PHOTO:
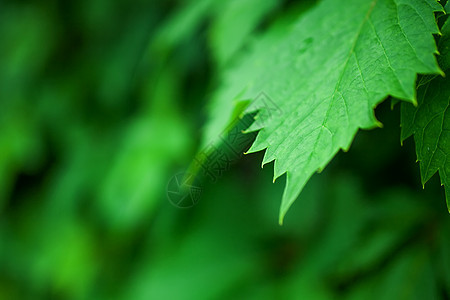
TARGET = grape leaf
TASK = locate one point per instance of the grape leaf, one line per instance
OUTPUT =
(429, 122)
(326, 75)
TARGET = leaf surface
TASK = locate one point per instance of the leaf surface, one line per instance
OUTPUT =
(325, 76)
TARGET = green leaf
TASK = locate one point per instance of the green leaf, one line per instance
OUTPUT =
(444, 47)
(326, 75)
(182, 24)
(234, 22)
(430, 121)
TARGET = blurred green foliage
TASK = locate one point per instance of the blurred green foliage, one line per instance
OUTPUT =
(101, 102)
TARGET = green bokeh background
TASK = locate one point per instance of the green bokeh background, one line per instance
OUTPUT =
(102, 102)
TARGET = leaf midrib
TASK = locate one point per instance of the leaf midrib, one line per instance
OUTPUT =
(338, 83)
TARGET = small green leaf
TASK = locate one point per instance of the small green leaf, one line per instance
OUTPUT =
(429, 122)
